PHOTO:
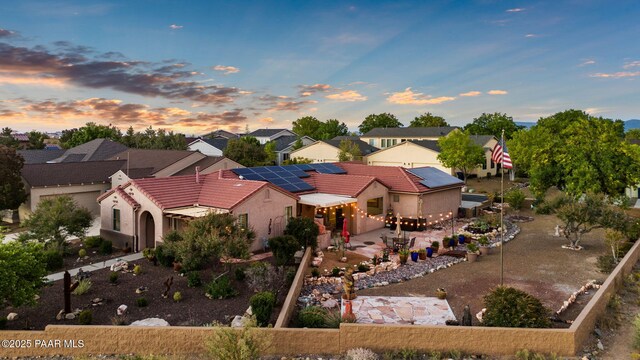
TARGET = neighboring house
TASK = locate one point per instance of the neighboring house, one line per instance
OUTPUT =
(83, 181)
(94, 150)
(420, 153)
(285, 144)
(221, 134)
(327, 151)
(140, 212)
(266, 135)
(209, 147)
(146, 163)
(23, 139)
(387, 137)
(40, 156)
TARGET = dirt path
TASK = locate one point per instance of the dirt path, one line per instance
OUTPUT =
(533, 262)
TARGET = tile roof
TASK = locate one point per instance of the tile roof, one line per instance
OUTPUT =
(181, 191)
(40, 156)
(409, 132)
(151, 158)
(70, 172)
(394, 177)
(364, 147)
(204, 163)
(339, 184)
(94, 150)
(126, 197)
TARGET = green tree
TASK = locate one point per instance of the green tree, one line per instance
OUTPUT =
(246, 151)
(577, 153)
(384, 120)
(12, 192)
(303, 229)
(458, 151)
(21, 272)
(284, 248)
(633, 134)
(129, 138)
(298, 144)
(307, 126)
(297, 160)
(349, 151)
(270, 151)
(7, 139)
(91, 131)
(36, 140)
(330, 129)
(66, 136)
(55, 220)
(493, 124)
(207, 237)
(428, 120)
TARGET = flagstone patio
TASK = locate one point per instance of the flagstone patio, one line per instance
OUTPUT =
(400, 310)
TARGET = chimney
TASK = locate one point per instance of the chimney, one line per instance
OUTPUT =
(197, 174)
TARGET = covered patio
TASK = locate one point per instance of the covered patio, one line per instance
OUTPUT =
(330, 210)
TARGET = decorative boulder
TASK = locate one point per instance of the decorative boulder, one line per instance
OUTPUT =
(122, 309)
(12, 316)
(150, 322)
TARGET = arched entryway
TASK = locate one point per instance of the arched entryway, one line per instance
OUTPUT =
(147, 230)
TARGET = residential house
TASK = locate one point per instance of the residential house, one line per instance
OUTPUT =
(83, 181)
(94, 150)
(221, 134)
(327, 151)
(209, 147)
(420, 153)
(285, 145)
(139, 213)
(387, 137)
(266, 135)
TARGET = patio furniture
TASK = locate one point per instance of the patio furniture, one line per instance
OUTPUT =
(412, 242)
(400, 243)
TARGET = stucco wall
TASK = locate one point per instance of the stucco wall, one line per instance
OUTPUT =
(318, 152)
(205, 148)
(84, 195)
(261, 208)
(407, 155)
(441, 202)
(377, 140)
(119, 178)
(407, 206)
(364, 223)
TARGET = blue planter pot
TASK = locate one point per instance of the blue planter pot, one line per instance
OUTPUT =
(461, 239)
(414, 257)
(452, 243)
(429, 252)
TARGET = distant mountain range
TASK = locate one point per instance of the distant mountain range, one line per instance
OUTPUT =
(628, 125)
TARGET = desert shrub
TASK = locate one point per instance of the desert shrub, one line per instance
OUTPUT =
(120, 320)
(221, 288)
(606, 263)
(83, 287)
(362, 267)
(92, 241)
(106, 247)
(113, 277)
(239, 274)
(165, 256)
(142, 302)
(305, 230)
(361, 354)
(315, 272)
(229, 344)
(82, 253)
(290, 275)
(193, 279)
(515, 198)
(544, 207)
(85, 317)
(611, 317)
(311, 317)
(636, 332)
(262, 305)
(177, 296)
(284, 248)
(525, 354)
(509, 307)
(335, 271)
(137, 270)
(262, 276)
(53, 259)
(404, 354)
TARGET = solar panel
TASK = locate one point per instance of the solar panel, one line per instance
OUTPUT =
(303, 167)
(286, 177)
(432, 177)
(243, 171)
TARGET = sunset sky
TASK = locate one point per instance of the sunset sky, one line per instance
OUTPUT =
(197, 66)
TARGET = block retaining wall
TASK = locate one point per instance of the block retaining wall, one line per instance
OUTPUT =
(290, 341)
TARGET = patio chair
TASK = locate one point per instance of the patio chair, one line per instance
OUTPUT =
(412, 242)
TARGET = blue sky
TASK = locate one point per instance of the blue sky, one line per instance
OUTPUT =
(196, 66)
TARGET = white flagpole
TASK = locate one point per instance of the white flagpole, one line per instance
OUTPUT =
(502, 211)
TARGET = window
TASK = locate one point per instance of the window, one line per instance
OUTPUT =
(374, 206)
(288, 213)
(372, 142)
(116, 219)
(243, 221)
(493, 165)
(394, 141)
(383, 143)
(484, 165)
(396, 198)
(286, 156)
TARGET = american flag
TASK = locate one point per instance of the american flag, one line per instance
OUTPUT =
(500, 155)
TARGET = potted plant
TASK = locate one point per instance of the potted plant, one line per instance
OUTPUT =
(484, 245)
(429, 251)
(441, 293)
(461, 239)
(404, 256)
(414, 255)
(472, 252)
(450, 241)
(435, 245)
(422, 254)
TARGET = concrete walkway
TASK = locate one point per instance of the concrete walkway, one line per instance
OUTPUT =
(94, 230)
(96, 266)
